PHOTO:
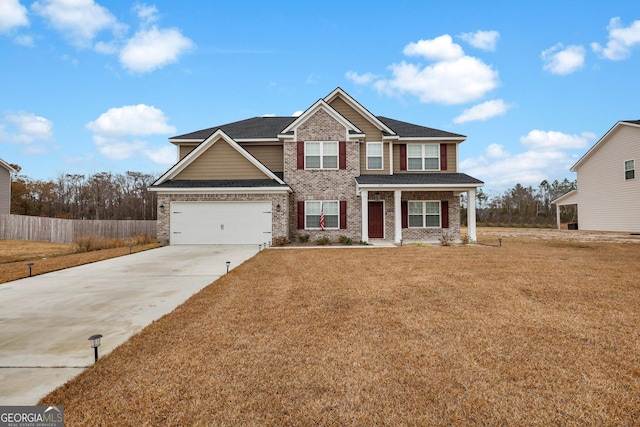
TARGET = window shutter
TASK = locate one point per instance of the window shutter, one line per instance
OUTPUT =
(342, 154)
(343, 214)
(300, 215)
(405, 214)
(444, 213)
(403, 157)
(443, 157)
(300, 153)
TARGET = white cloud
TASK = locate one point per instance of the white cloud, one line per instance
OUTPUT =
(297, 113)
(25, 41)
(454, 78)
(548, 154)
(154, 48)
(163, 156)
(116, 132)
(539, 140)
(485, 40)
(79, 20)
(439, 49)
(484, 111)
(360, 79)
(621, 40)
(12, 15)
(563, 61)
(147, 14)
(26, 128)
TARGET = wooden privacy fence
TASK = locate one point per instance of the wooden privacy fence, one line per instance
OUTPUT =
(21, 227)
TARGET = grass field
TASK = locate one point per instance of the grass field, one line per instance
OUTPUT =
(47, 257)
(531, 333)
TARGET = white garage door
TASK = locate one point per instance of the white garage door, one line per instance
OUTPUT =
(220, 223)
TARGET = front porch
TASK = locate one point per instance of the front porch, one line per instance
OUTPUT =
(423, 208)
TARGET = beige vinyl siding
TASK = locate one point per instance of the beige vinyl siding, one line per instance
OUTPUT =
(451, 158)
(372, 133)
(606, 201)
(220, 162)
(183, 150)
(272, 156)
(5, 191)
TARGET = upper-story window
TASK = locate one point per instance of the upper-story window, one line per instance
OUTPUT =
(629, 169)
(321, 154)
(423, 157)
(374, 155)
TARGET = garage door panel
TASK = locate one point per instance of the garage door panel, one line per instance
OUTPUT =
(220, 222)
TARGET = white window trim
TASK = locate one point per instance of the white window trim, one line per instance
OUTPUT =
(627, 170)
(423, 157)
(322, 155)
(306, 214)
(424, 213)
(381, 156)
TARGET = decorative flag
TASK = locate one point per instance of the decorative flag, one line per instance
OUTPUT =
(322, 216)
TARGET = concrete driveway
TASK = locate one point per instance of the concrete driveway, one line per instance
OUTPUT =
(46, 320)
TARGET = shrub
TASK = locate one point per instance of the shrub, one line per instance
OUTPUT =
(303, 238)
(323, 241)
(446, 239)
(90, 243)
(280, 241)
(344, 240)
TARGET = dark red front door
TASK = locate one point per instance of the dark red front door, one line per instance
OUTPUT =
(376, 220)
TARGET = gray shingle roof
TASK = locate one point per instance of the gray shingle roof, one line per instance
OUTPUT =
(419, 179)
(271, 127)
(404, 129)
(240, 183)
(633, 122)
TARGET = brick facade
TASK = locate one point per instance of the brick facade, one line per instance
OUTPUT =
(323, 184)
(280, 216)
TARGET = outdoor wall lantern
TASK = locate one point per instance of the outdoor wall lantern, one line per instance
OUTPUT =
(161, 207)
(95, 343)
(278, 207)
(228, 264)
(30, 265)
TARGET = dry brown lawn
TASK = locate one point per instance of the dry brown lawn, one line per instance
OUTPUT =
(532, 333)
(47, 257)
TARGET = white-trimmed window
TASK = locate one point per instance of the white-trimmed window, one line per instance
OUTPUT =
(629, 169)
(315, 208)
(321, 155)
(424, 214)
(374, 155)
(423, 157)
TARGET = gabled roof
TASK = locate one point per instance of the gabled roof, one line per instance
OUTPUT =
(603, 140)
(321, 104)
(218, 135)
(409, 130)
(7, 166)
(338, 92)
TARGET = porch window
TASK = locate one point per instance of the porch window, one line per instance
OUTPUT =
(321, 154)
(423, 157)
(374, 155)
(424, 214)
(629, 169)
(316, 208)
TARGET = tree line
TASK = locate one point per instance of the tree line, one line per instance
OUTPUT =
(524, 205)
(126, 196)
(99, 196)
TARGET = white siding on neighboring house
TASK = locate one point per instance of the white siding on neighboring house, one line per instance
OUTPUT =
(606, 201)
(5, 188)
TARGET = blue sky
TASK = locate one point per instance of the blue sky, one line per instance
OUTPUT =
(98, 86)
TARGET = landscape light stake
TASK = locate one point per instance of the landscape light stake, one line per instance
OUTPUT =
(130, 248)
(228, 264)
(30, 265)
(500, 241)
(95, 343)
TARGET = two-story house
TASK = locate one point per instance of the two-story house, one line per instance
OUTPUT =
(335, 170)
(5, 186)
(608, 194)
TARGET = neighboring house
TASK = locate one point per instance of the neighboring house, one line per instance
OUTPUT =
(265, 178)
(5, 187)
(608, 194)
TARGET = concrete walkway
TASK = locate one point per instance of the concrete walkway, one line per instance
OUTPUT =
(46, 320)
